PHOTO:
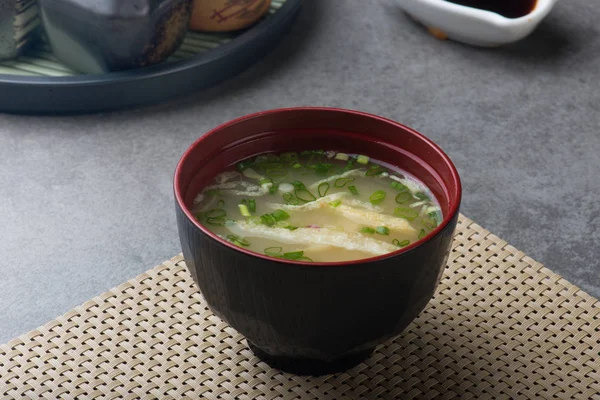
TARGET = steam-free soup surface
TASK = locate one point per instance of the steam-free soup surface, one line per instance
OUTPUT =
(321, 206)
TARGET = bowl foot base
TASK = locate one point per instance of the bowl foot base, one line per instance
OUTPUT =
(307, 366)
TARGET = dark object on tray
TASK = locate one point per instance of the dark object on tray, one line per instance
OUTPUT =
(112, 35)
(39, 84)
(315, 318)
(19, 22)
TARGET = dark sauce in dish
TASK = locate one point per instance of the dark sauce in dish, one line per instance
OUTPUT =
(506, 8)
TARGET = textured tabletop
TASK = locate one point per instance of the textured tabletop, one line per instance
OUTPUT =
(86, 201)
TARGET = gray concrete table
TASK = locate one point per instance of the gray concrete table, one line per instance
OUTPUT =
(86, 201)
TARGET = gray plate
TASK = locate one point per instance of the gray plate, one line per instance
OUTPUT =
(38, 83)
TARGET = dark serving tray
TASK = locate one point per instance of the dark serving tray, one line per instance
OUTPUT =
(38, 83)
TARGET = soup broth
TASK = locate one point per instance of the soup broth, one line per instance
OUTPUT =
(317, 206)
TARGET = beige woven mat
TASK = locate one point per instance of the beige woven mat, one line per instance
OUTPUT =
(500, 326)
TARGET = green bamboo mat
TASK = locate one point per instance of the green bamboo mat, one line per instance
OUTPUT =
(38, 60)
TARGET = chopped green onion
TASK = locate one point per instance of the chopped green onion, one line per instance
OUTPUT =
(323, 189)
(353, 190)
(319, 152)
(280, 215)
(283, 224)
(374, 170)
(349, 164)
(244, 210)
(255, 220)
(398, 186)
(298, 185)
(216, 213)
(291, 228)
(304, 259)
(431, 224)
(341, 156)
(406, 213)
(377, 197)
(403, 197)
(218, 221)
(321, 169)
(304, 195)
(341, 182)
(297, 165)
(239, 241)
(403, 243)
(366, 229)
(242, 165)
(268, 219)
(422, 234)
(421, 196)
(273, 251)
(252, 205)
(221, 204)
(335, 203)
(362, 159)
(293, 255)
(265, 181)
(290, 199)
(382, 230)
(274, 188)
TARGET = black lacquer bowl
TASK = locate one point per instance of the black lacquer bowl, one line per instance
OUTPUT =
(315, 318)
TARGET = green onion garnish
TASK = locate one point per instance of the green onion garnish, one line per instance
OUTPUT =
(242, 165)
(382, 230)
(319, 152)
(304, 195)
(293, 255)
(264, 181)
(377, 197)
(216, 213)
(283, 224)
(298, 185)
(255, 220)
(274, 188)
(398, 186)
(239, 241)
(323, 189)
(217, 221)
(273, 251)
(421, 196)
(403, 197)
(304, 259)
(406, 213)
(268, 219)
(362, 159)
(430, 223)
(374, 170)
(353, 190)
(297, 165)
(244, 210)
(366, 229)
(341, 182)
(422, 234)
(349, 164)
(280, 215)
(335, 203)
(252, 205)
(341, 156)
(403, 243)
(321, 169)
(290, 199)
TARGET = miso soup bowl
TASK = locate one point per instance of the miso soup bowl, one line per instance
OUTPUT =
(315, 318)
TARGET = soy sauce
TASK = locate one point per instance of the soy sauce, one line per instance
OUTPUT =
(506, 8)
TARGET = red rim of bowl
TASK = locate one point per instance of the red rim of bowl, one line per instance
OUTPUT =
(453, 208)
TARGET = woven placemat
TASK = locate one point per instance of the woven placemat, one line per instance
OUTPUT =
(500, 326)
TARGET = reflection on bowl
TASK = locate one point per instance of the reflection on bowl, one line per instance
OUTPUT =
(315, 318)
(475, 26)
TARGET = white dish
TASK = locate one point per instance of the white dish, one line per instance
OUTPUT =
(472, 25)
